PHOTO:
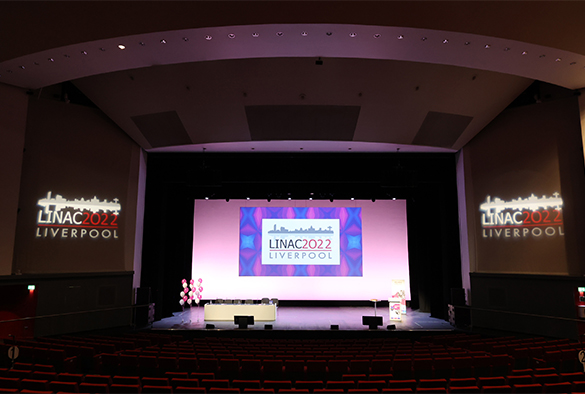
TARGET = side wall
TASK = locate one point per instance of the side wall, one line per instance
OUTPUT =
(531, 262)
(64, 163)
(13, 107)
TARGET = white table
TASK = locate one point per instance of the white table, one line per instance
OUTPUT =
(226, 312)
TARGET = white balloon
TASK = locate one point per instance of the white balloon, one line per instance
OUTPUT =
(190, 293)
(189, 301)
(182, 302)
(191, 285)
(182, 294)
(197, 300)
(184, 284)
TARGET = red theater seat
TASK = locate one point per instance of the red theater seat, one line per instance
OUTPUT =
(124, 388)
(277, 384)
(66, 387)
(527, 388)
(340, 384)
(468, 389)
(564, 387)
(157, 389)
(309, 384)
(94, 388)
(31, 384)
(496, 389)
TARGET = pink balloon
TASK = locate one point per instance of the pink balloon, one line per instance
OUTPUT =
(192, 281)
(200, 289)
(184, 281)
(199, 296)
(200, 280)
(185, 298)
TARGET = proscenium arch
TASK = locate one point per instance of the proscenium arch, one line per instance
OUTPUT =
(296, 40)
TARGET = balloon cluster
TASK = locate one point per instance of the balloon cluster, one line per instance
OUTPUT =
(191, 291)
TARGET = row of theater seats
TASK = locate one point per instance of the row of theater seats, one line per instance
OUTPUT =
(77, 383)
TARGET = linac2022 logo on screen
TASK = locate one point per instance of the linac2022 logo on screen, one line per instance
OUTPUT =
(61, 218)
(300, 242)
(531, 217)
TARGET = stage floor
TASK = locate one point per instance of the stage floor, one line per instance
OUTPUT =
(310, 318)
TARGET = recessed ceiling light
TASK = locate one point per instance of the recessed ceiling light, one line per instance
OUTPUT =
(558, 59)
(66, 56)
(423, 39)
(163, 41)
(506, 49)
(311, 198)
(21, 67)
(36, 63)
(289, 198)
(393, 198)
(208, 37)
(51, 59)
(122, 47)
(255, 35)
(103, 49)
(377, 35)
(141, 43)
(352, 35)
(400, 37)
(207, 198)
(572, 63)
(352, 199)
(466, 43)
(247, 198)
(329, 33)
(524, 53)
(185, 39)
(487, 46)
(83, 52)
(304, 33)
(445, 41)
(541, 56)
(280, 34)
(231, 36)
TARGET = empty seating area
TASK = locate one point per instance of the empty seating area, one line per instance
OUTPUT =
(152, 363)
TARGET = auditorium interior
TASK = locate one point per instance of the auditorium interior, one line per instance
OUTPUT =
(143, 141)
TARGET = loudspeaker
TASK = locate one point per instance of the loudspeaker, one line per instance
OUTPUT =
(372, 321)
(391, 327)
(209, 326)
(335, 327)
(268, 326)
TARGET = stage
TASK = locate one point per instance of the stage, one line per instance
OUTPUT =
(309, 319)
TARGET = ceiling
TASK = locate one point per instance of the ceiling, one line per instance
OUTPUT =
(288, 76)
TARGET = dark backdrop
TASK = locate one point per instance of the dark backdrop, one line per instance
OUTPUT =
(426, 181)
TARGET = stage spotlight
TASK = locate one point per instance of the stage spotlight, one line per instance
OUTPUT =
(331, 200)
(227, 200)
(373, 200)
(335, 327)
(268, 326)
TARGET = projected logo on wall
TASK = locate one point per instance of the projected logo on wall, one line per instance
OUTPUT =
(535, 217)
(78, 218)
(300, 242)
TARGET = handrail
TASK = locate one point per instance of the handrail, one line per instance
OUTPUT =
(76, 313)
(519, 313)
